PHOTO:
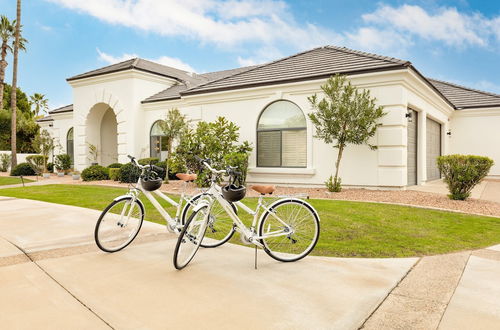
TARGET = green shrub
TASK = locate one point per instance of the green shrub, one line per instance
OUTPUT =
(462, 172)
(162, 164)
(37, 163)
(22, 169)
(5, 162)
(94, 173)
(129, 173)
(115, 165)
(240, 161)
(50, 167)
(333, 184)
(147, 161)
(63, 162)
(114, 173)
(176, 165)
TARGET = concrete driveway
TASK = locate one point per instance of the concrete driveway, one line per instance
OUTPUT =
(53, 276)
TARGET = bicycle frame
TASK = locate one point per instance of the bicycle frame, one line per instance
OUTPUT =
(215, 195)
(172, 223)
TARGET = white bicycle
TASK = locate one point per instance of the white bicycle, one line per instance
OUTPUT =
(287, 229)
(121, 221)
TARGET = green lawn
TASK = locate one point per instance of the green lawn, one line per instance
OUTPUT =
(6, 180)
(348, 229)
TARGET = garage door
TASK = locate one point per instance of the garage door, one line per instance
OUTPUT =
(412, 148)
(433, 149)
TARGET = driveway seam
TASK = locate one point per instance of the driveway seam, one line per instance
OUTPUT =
(454, 290)
(389, 293)
(62, 286)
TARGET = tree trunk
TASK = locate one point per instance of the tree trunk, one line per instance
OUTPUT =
(13, 98)
(337, 163)
(3, 65)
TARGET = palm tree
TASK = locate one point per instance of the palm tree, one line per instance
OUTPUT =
(13, 97)
(40, 103)
(6, 34)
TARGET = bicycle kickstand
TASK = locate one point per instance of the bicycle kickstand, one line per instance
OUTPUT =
(255, 257)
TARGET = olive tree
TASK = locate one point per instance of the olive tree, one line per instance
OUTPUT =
(345, 115)
(44, 145)
(172, 128)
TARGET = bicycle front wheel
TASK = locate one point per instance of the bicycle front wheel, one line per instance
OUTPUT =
(291, 231)
(118, 224)
(190, 238)
(220, 226)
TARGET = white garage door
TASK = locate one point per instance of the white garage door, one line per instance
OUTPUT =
(433, 149)
(411, 159)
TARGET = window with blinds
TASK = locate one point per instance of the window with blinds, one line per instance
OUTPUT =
(281, 136)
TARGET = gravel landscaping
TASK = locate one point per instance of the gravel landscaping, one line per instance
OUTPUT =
(407, 197)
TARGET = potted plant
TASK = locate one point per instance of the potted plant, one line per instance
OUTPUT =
(75, 175)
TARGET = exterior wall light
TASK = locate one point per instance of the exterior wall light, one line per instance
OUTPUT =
(409, 116)
(448, 133)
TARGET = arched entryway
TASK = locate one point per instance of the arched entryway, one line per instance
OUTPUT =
(101, 132)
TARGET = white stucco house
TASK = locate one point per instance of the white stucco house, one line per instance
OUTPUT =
(116, 108)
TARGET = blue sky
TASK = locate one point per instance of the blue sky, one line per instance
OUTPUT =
(457, 41)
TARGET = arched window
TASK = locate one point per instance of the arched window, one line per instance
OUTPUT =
(158, 142)
(281, 136)
(70, 145)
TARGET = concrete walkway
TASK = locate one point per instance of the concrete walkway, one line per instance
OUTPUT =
(53, 276)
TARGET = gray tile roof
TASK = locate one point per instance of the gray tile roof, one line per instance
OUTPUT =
(463, 97)
(174, 92)
(66, 108)
(141, 65)
(312, 64)
(46, 118)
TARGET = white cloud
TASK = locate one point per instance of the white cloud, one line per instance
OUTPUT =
(446, 25)
(165, 60)
(373, 39)
(224, 23)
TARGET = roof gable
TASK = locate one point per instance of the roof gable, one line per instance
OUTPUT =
(463, 97)
(315, 63)
(141, 65)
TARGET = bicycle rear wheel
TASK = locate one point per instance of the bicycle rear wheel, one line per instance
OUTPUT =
(302, 225)
(118, 224)
(190, 238)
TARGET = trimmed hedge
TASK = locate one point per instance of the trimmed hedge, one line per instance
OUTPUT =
(129, 173)
(463, 172)
(115, 165)
(94, 173)
(22, 169)
(114, 173)
(50, 167)
(147, 161)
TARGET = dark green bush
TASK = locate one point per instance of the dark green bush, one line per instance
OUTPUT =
(163, 165)
(50, 167)
(147, 161)
(22, 169)
(462, 172)
(114, 173)
(63, 162)
(129, 173)
(115, 165)
(94, 173)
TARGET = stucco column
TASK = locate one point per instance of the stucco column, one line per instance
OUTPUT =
(422, 148)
